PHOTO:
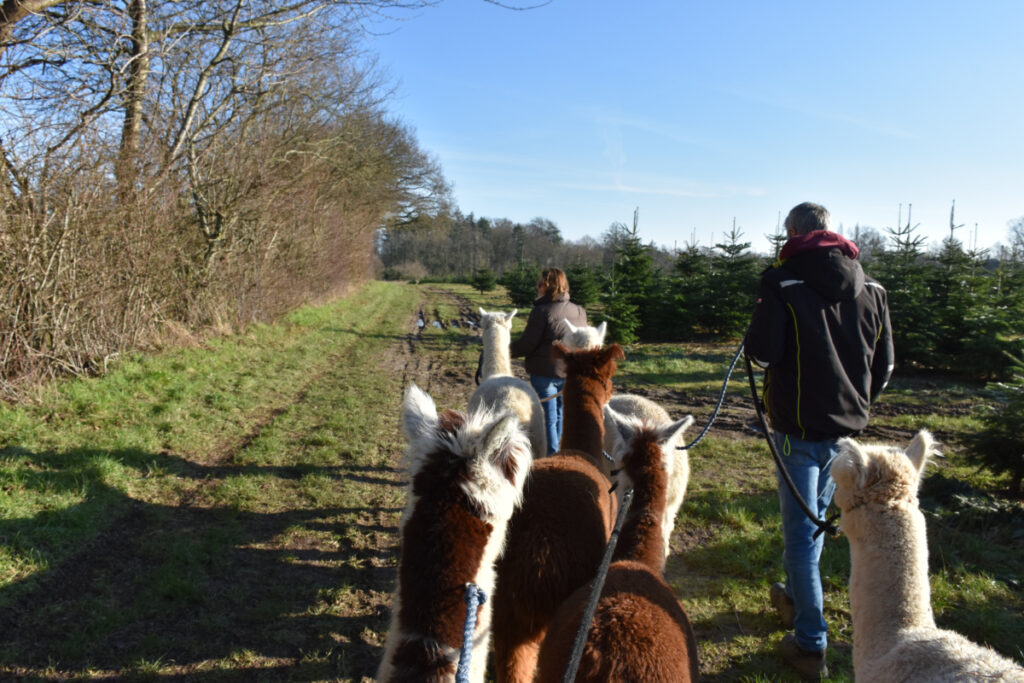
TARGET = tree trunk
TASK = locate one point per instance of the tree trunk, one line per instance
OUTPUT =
(135, 92)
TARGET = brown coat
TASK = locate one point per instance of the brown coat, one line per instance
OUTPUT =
(545, 326)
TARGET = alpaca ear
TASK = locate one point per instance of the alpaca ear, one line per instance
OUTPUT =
(610, 353)
(921, 447)
(849, 469)
(622, 428)
(572, 328)
(508, 318)
(482, 312)
(669, 433)
(419, 415)
(507, 447)
(602, 329)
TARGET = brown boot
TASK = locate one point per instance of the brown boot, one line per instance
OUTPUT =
(810, 665)
(783, 604)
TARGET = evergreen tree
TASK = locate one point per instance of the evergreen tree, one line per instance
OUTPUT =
(632, 276)
(584, 284)
(521, 283)
(1001, 446)
(484, 280)
(902, 272)
(689, 291)
(733, 286)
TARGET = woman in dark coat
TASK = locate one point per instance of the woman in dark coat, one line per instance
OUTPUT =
(546, 325)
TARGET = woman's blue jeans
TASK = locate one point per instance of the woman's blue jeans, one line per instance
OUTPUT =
(809, 464)
(545, 387)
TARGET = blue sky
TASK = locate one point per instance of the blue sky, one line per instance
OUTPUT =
(700, 113)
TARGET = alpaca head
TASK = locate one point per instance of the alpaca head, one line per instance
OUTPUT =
(583, 338)
(488, 453)
(488, 320)
(596, 367)
(879, 474)
(638, 443)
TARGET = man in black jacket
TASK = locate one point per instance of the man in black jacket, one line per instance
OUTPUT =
(821, 330)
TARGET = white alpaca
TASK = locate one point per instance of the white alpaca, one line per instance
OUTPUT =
(583, 338)
(466, 478)
(894, 633)
(497, 335)
(499, 390)
(677, 461)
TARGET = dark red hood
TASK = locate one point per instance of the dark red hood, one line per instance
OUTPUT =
(818, 239)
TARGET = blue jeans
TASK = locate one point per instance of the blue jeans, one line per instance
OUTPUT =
(809, 465)
(545, 387)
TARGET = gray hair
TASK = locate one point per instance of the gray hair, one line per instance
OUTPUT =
(807, 217)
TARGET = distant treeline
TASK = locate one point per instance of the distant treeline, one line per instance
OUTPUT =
(952, 309)
(172, 166)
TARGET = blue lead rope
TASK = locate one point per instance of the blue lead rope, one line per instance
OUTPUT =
(475, 597)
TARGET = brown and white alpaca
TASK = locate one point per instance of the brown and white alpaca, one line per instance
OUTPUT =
(677, 459)
(500, 391)
(894, 633)
(466, 478)
(496, 331)
(640, 632)
(557, 537)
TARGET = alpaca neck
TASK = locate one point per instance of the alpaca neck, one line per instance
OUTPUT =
(643, 538)
(889, 589)
(497, 360)
(583, 420)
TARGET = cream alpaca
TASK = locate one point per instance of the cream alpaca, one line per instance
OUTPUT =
(466, 478)
(583, 338)
(894, 633)
(677, 461)
(497, 335)
(500, 390)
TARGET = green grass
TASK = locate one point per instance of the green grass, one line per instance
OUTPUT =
(228, 512)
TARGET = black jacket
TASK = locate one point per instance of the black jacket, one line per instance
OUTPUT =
(822, 330)
(546, 325)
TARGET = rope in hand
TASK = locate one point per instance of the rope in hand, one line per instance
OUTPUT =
(595, 592)
(475, 597)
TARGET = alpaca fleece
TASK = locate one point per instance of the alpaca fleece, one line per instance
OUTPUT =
(467, 475)
(894, 633)
(557, 537)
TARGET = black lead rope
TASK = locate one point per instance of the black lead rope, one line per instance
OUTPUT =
(595, 592)
(721, 399)
(824, 526)
(479, 368)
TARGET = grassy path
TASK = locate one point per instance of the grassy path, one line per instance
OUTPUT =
(229, 512)
(207, 511)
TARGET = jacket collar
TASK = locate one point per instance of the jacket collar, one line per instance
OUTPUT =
(818, 239)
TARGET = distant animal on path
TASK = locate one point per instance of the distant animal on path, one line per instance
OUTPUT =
(466, 478)
(894, 633)
(640, 632)
(556, 539)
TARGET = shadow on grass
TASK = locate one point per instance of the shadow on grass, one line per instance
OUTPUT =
(131, 582)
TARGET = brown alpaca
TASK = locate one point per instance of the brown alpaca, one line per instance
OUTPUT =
(467, 475)
(557, 537)
(639, 631)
